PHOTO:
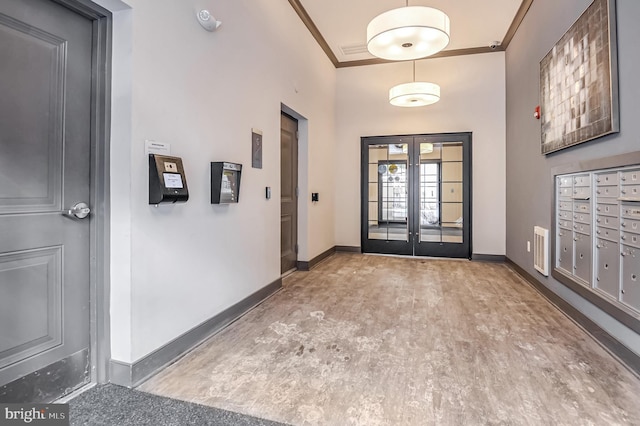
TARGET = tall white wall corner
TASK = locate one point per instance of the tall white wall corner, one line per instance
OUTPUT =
(541, 250)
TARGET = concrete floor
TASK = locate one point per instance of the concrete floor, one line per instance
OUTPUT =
(373, 340)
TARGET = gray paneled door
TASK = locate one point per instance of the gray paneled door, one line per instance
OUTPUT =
(45, 123)
(288, 193)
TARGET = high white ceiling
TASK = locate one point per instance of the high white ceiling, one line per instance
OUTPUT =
(474, 23)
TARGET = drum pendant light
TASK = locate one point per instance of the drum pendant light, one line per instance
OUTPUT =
(410, 32)
(414, 94)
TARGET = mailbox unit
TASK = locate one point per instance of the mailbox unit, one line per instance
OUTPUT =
(225, 182)
(597, 226)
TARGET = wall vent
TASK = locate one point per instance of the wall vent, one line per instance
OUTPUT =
(541, 250)
(354, 49)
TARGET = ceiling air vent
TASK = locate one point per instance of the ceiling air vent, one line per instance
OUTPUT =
(354, 49)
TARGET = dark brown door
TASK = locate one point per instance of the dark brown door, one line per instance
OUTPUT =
(45, 136)
(288, 193)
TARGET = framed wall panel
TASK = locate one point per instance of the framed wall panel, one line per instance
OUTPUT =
(579, 81)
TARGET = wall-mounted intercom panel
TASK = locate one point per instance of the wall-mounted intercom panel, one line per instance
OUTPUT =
(167, 181)
(225, 182)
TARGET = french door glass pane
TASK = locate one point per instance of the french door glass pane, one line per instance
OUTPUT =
(388, 192)
(452, 171)
(452, 151)
(441, 192)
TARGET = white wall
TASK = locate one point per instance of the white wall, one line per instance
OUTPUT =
(473, 99)
(202, 93)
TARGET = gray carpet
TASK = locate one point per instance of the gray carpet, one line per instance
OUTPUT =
(111, 405)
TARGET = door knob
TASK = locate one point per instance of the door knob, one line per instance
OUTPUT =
(79, 210)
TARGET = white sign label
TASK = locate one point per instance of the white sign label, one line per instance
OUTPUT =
(153, 147)
(172, 180)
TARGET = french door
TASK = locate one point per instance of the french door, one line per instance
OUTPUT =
(416, 195)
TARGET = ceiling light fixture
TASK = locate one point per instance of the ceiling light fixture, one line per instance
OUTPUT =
(414, 94)
(410, 32)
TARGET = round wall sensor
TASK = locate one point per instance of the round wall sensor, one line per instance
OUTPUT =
(207, 20)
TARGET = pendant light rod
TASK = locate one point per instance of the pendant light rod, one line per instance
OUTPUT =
(414, 68)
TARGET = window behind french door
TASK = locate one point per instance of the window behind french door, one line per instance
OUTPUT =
(416, 195)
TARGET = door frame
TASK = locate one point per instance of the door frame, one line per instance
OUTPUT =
(99, 232)
(410, 247)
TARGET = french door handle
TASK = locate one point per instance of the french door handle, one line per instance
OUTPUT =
(79, 210)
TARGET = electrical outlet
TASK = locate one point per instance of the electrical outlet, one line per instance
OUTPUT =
(528, 246)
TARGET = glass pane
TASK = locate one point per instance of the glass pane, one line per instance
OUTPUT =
(376, 232)
(452, 152)
(429, 169)
(373, 191)
(395, 193)
(452, 214)
(388, 192)
(429, 192)
(451, 234)
(373, 212)
(397, 233)
(452, 192)
(452, 172)
(373, 172)
(430, 202)
(377, 153)
(388, 231)
(430, 151)
(431, 235)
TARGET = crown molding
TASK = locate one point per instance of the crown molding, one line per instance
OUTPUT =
(442, 54)
(313, 29)
(517, 20)
(311, 26)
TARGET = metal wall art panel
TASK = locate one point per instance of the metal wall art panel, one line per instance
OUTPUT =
(579, 81)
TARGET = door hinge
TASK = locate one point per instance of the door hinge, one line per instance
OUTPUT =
(296, 249)
(297, 191)
(297, 135)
